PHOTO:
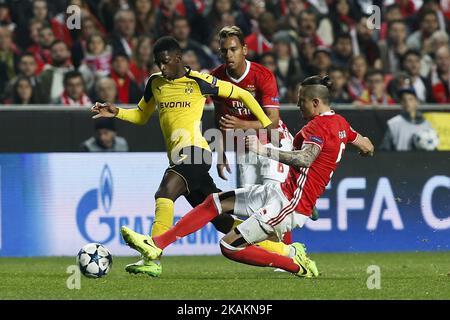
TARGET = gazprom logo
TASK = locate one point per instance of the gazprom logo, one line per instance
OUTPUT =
(89, 204)
(106, 188)
(98, 219)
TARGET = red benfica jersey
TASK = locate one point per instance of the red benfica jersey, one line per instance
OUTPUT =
(331, 132)
(261, 83)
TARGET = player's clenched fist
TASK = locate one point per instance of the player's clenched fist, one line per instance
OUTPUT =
(252, 143)
(106, 110)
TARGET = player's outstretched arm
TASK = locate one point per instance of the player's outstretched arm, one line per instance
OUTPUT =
(222, 164)
(138, 115)
(364, 145)
(297, 158)
(105, 110)
(222, 161)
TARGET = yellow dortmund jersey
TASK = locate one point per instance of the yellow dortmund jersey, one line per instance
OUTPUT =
(180, 103)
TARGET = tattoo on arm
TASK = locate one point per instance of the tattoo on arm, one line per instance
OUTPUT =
(297, 158)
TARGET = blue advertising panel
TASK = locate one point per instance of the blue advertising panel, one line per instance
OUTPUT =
(391, 202)
(52, 204)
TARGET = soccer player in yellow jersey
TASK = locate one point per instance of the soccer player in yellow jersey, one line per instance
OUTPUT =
(179, 94)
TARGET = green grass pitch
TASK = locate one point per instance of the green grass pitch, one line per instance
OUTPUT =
(343, 276)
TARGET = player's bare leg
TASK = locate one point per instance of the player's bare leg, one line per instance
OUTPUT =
(171, 188)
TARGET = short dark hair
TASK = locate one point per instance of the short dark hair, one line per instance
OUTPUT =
(46, 26)
(407, 90)
(342, 35)
(71, 75)
(425, 12)
(412, 52)
(266, 54)
(391, 23)
(308, 11)
(322, 49)
(105, 123)
(166, 43)
(409, 52)
(336, 68)
(317, 87)
(374, 72)
(120, 54)
(58, 41)
(180, 18)
(392, 7)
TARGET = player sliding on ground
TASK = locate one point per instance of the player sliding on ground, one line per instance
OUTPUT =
(273, 209)
(180, 95)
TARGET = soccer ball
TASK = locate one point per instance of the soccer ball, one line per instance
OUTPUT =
(426, 139)
(94, 260)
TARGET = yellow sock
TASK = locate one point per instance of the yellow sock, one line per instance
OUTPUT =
(236, 222)
(163, 216)
(275, 247)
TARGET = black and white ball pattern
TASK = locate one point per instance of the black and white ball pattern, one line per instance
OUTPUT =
(426, 139)
(94, 260)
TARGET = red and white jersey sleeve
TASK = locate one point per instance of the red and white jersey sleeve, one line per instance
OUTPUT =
(351, 134)
(313, 134)
(269, 91)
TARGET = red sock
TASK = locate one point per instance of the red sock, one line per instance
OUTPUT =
(287, 238)
(257, 256)
(191, 222)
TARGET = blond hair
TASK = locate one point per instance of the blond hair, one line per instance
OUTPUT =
(230, 31)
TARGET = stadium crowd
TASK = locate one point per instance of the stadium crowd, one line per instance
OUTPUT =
(109, 57)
